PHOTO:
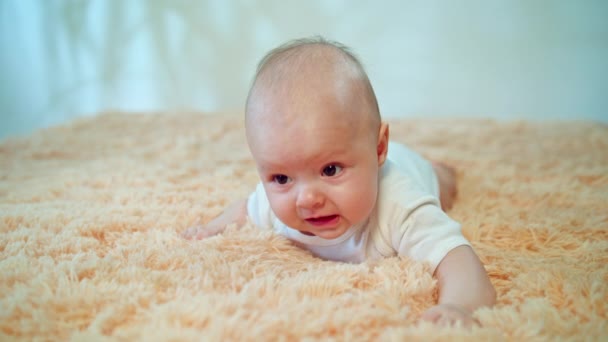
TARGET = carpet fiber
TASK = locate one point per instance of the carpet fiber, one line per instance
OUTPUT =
(90, 214)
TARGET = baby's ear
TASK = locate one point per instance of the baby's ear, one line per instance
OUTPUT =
(382, 146)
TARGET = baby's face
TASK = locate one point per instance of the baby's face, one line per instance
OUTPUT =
(319, 170)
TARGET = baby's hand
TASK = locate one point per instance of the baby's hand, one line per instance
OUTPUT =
(235, 213)
(202, 231)
(448, 315)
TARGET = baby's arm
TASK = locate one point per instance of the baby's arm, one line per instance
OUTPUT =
(235, 213)
(464, 287)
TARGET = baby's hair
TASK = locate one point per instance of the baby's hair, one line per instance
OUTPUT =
(291, 51)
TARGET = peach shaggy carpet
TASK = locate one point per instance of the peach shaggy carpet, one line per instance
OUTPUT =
(89, 248)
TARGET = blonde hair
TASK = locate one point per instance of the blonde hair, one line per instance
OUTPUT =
(292, 52)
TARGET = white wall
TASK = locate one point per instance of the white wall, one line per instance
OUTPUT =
(501, 59)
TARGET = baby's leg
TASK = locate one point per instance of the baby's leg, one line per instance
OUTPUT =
(447, 184)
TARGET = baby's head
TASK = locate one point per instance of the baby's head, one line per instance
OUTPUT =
(314, 130)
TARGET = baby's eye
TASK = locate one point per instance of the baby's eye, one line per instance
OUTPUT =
(281, 179)
(331, 170)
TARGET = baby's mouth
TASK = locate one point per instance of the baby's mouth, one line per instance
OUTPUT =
(323, 220)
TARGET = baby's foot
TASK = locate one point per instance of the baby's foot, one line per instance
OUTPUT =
(447, 184)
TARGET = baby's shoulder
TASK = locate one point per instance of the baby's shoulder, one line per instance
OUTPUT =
(398, 186)
(399, 195)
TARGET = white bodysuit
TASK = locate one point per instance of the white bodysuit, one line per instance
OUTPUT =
(407, 219)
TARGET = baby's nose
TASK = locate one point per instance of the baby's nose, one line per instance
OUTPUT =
(310, 198)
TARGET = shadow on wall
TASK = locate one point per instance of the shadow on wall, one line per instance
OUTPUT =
(78, 57)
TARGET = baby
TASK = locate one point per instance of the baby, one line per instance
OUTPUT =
(333, 183)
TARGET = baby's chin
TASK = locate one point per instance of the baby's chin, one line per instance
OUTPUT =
(330, 231)
(327, 233)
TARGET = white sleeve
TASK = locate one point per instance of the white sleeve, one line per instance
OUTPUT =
(426, 233)
(258, 207)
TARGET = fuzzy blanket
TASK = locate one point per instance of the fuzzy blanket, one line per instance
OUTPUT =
(90, 214)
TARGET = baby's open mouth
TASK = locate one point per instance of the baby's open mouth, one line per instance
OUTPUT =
(322, 220)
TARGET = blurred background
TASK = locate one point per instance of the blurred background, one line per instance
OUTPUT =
(530, 60)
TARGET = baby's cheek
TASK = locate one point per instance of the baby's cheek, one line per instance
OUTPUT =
(360, 201)
(282, 207)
